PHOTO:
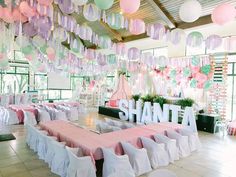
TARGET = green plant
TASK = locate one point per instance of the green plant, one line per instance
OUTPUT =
(160, 100)
(136, 97)
(148, 98)
(187, 102)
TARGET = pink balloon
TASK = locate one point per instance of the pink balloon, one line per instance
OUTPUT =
(137, 26)
(129, 6)
(7, 15)
(45, 2)
(26, 10)
(1, 56)
(50, 50)
(29, 57)
(133, 53)
(223, 14)
(51, 56)
(201, 78)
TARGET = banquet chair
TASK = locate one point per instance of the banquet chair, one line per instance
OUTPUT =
(10, 117)
(60, 115)
(162, 173)
(29, 118)
(222, 125)
(60, 160)
(193, 139)
(49, 150)
(181, 141)
(103, 127)
(5, 100)
(170, 146)
(43, 115)
(157, 154)
(42, 144)
(138, 158)
(79, 165)
(33, 137)
(18, 99)
(115, 165)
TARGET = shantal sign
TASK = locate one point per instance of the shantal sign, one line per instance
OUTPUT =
(149, 113)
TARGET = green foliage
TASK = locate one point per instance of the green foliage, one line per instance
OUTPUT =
(121, 73)
(136, 97)
(160, 100)
(148, 98)
(187, 102)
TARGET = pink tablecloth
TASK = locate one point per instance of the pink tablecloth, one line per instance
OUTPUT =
(19, 111)
(91, 143)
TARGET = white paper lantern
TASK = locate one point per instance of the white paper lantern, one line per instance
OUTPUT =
(190, 11)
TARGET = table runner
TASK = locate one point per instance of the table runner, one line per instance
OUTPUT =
(91, 143)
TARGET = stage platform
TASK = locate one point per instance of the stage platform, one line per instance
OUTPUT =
(109, 111)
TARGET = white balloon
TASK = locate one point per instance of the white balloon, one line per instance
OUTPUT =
(190, 11)
(79, 2)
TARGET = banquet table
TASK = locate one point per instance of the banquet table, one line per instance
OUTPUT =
(19, 111)
(91, 143)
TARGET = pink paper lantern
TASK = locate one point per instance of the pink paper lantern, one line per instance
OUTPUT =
(7, 15)
(223, 14)
(156, 31)
(213, 41)
(130, 6)
(90, 54)
(45, 2)
(137, 26)
(119, 48)
(26, 10)
(133, 53)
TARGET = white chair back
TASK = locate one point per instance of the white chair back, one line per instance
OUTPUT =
(5, 100)
(79, 165)
(114, 165)
(138, 159)
(29, 118)
(18, 99)
(43, 115)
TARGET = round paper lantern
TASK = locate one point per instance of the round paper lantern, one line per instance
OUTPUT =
(120, 48)
(91, 12)
(156, 31)
(104, 42)
(7, 15)
(77, 46)
(38, 41)
(190, 11)
(115, 21)
(85, 32)
(79, 2)
(176, 36)
(29, 30)
(223, 14)
(17, 16)
(45, 2)
(213, 42)
(60, 34)
(90, 54)
(26, 10)
(104, 4)
(133, 53)
(101, 59)
(111, 59)
(130, 6)
(137, 26)
(194, 39)
(66, 6)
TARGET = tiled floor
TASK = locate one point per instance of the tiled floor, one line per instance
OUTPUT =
(217, 158)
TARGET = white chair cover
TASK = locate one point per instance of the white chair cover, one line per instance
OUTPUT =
(18, 99)
(114, 165)
(43, 115)
(60, 115)
(60, 159)
(138, 159)
(181, 141)
(42, 144)
(157, 154)
(5, 100)
(104, 127)
(79, 166)
(33, 137)
(29, 118)
(74, 114)
(25, 99)
(10, 117)
(50, 150)
(162, 173)
(193, 139)
(170, 146)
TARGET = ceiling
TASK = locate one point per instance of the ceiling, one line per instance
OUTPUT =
(151, 11)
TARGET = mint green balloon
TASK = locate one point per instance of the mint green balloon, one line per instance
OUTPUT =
(43, 49)
(4, 63)
(187, 72)
(111, 59)
(193, 83)
(114, 20)
(104, 4)
(207, 85)
(206, 69)
(27, 50)
(173, 73)
(195, 61)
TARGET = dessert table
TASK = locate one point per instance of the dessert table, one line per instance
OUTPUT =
(91, 143)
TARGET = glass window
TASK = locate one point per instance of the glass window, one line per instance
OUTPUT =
(53, 94)
(19, 56)
(23, 70)
(66, 94)
(230, 68)
(76, 82)
(40, 81)
(11, 70)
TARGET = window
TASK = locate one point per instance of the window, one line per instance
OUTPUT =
(40, 82)
(54, 94)
(195, 50)
(66, 94)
